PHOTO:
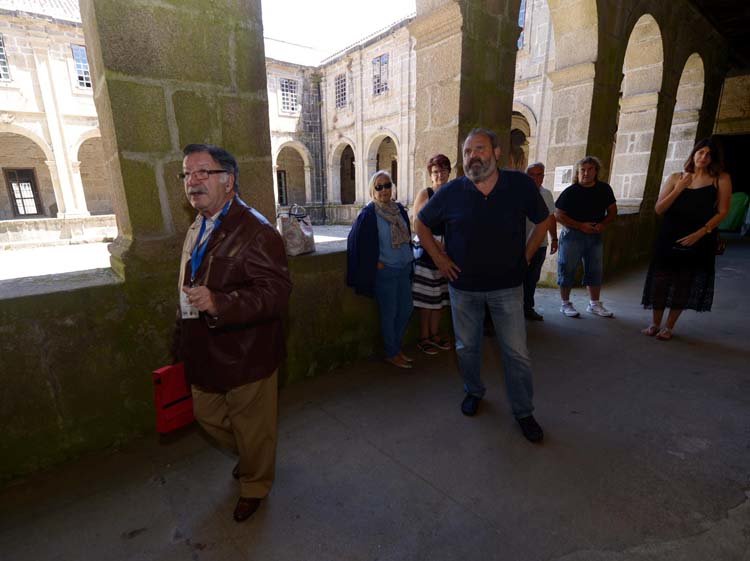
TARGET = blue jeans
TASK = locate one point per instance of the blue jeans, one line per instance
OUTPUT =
(393, 295)
(506, 309)
(574, 247)
(532, 277)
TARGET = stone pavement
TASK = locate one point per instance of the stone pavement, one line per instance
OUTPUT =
(646, 457)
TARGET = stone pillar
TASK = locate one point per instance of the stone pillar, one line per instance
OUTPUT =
(334, 184)
(55, 178)
(466, 54)
(276, 187)
(77, 186)
(370, 167)
(155, 92)
(635, 135)
(71, 201)
(572, 91)
(308, 185)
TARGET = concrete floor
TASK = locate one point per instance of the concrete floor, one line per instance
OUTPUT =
(646, 457)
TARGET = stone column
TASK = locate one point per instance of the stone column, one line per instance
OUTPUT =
(77, 186)
(275, 177)
(466, 54)
(155, 92)
(334, 184)
(308, 185)
(70, 199)
(572, 91)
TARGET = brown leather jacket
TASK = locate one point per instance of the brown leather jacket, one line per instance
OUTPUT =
(245, 267)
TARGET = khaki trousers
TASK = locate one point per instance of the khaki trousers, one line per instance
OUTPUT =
(244, 421)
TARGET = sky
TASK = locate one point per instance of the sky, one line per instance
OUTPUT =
(323, 27)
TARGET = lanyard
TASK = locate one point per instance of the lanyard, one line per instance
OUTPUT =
(199, 251)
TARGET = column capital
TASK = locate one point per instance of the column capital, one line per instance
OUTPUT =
(436, 25)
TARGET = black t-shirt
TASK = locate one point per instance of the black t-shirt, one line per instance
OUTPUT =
(486, 236)
(586, 204)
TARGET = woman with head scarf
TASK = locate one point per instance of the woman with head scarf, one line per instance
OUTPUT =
(380, 263)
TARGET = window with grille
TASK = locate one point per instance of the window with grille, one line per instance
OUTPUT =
(23, 192)
(82, 66)
(340, 90)
(281, 182)
(4, 67)
(289, 95)
(521, 23)
(380, 74)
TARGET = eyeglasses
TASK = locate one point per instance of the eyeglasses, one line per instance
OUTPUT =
(199, 174)
(383, 186)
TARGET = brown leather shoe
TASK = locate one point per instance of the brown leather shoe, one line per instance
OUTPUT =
(246, 507)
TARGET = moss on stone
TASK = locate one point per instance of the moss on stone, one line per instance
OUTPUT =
(242, 120)
(142, 195)
(182, 213)
(139, 115)
(196, 115)
(188, 45)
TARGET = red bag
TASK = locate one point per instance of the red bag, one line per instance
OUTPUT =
(172, 398)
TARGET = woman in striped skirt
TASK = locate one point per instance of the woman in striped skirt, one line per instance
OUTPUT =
(430, 288)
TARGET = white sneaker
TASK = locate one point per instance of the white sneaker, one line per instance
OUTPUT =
(569, 310)
(598, 309)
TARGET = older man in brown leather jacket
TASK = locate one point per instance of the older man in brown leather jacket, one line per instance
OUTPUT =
(234, 289)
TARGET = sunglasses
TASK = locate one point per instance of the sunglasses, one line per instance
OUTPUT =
(383, 186)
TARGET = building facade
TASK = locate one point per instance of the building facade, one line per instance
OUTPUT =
(53, 184)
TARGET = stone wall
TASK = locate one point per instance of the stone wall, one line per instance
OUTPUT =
(96, 182)
(734, 111)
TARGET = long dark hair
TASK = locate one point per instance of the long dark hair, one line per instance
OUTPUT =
(717, 157)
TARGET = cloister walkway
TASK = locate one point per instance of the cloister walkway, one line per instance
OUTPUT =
(646, 457)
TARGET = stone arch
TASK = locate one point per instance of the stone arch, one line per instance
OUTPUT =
(523, 116)
(31, 135)
(684, 129)
(94, 173)
(87, 135)
(520, 132)
(383, 146)
(292, 173)
(22, 149)
(643, 69)
(342, 182)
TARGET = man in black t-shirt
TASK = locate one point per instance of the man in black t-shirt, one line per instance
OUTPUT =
(483, 216)
(584, 209)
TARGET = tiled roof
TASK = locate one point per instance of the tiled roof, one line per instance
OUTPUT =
(64, 10)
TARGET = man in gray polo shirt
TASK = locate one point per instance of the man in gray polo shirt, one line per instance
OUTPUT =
(486, 256)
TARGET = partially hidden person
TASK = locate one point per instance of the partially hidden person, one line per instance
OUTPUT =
(536, 172)
(430, 287)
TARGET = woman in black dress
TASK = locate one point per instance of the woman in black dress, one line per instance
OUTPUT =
(693, 203)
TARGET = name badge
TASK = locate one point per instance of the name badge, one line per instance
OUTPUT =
(188, 311)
